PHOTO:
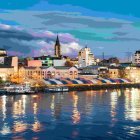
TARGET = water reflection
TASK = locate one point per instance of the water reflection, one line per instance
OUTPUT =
(78, 114)
(132, 104)
(4, 107)
(114, 99)
(75, 113)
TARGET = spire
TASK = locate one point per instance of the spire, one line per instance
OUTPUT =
(57, 47)
(57, 43)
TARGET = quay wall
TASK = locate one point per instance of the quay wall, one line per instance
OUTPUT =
(82, 87)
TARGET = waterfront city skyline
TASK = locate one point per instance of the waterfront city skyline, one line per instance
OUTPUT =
(30, 28)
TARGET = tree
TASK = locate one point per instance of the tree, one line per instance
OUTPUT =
(69, 63)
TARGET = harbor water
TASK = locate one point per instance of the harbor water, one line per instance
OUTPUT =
(87, 115)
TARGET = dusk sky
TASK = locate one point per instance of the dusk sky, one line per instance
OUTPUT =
(29, 27)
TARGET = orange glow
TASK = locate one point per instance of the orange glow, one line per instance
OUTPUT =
(19, 127)
(76, 114)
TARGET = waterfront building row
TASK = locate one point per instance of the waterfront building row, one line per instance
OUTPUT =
(48, 72)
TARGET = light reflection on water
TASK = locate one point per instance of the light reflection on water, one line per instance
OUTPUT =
(76, 115)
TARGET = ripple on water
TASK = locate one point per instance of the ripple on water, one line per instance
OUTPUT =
(114, 114)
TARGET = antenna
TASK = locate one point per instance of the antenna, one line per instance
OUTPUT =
(103, 55)
(129, 56)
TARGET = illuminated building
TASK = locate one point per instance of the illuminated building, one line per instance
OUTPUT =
(137, 57)
(85, 57)
(49, 72)
(133, 73)
(5, 72)
(113, 72)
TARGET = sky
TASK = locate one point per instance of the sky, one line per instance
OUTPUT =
(29, 28)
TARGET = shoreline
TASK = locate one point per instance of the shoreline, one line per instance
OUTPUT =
(82, 87)
(40, 90)
(104, 86)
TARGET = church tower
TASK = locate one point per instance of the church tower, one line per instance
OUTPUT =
(57, 47)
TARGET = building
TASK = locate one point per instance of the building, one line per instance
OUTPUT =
(95, 71)
(59, 62)
(57, 51)
(114, 72)
(46, 60)
(5, 72)
(133, 73)
(3, 52)
(8, 65)
(38, 73)
(137, 57)
(49, 61)
(85, 57)
(113, 61)
(60, 72)
(34, 63)
(11, 61)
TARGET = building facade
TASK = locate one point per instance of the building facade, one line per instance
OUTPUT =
(114, 72)
(137, 57)
(38, 73)
(34, 63)
(85, 57)
(133, 73)
(5, 72)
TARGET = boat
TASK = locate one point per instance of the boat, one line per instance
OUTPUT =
(16, 89)
(56, 89)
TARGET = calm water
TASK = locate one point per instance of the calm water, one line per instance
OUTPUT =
(76, 115)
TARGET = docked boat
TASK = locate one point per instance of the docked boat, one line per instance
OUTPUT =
(16, 89)
(56, 89)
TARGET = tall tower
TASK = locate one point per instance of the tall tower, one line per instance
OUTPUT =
(57, 47)
(85, 57)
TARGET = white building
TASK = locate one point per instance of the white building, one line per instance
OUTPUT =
(85, 57)
(137, 57)
(57, 62)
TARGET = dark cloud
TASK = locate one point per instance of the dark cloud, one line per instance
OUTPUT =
(120, 33)
(10, 45)
(127, 39)
(61, 19)
(21, 35)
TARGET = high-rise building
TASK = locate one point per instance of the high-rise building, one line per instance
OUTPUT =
(57, 48)
(137, 57)
(85, 57)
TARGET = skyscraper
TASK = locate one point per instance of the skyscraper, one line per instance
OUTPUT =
(57, 47)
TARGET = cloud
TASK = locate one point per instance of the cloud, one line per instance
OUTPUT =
(33, 27)
(62, 18)
(70, 49)
(120, 33)
(26, 43)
